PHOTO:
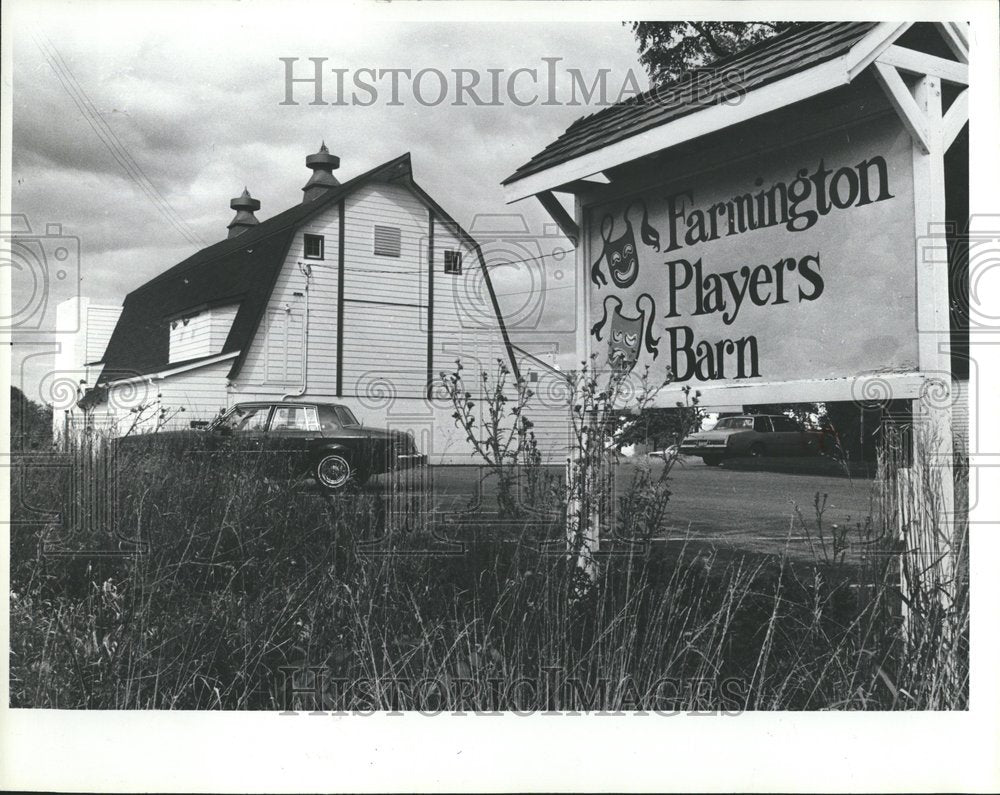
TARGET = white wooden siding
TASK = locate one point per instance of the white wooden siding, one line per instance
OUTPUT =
(203, 334)
(82, 331)
(190, 338)
(101, 322)
(465, 325)
(283, 345)
(260, 367)
(401, 279)
(166, 404)
(549, 409)
(385, 347)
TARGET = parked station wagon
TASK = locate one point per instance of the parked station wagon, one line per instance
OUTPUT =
(756, 436)
(322, 440)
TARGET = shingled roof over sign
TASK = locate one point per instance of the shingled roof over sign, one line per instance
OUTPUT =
(793, 51)
(241, 270)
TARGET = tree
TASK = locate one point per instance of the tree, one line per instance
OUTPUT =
(669, 49)
(662, 427)
(30, 423)
(803, 413)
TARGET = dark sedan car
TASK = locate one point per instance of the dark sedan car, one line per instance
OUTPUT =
(756, 436)
(323, 440)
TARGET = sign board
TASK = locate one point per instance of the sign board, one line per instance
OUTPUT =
(797, 265)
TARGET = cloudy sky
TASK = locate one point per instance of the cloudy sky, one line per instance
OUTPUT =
(135, 123)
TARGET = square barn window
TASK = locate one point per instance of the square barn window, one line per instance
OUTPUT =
(387, 241)
(453, 262)
(313, 245)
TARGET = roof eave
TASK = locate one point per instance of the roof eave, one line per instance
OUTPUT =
(172, 369)
(794, 88)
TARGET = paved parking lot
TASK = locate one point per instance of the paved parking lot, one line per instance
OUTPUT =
(732, 506)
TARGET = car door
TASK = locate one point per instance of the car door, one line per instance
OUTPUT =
(241, 431)
(292, 430)
(763, 435)
(785, 438)
(796, 439)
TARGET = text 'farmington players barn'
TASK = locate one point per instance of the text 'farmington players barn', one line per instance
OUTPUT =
(786, 225)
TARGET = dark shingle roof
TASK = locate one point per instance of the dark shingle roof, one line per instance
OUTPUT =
(793, 51)
(242, 269)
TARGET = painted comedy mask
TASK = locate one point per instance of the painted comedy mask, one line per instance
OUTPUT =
(621, 253)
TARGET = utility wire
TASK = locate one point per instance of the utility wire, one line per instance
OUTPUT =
(111, 141)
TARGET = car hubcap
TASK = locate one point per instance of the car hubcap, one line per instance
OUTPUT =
(334, 471)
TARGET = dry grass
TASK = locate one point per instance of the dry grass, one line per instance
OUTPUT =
(239, 583)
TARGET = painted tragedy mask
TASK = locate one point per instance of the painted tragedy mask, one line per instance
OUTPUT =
(627, 335)
(621, 254)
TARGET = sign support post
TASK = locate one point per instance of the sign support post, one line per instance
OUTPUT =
(927, 491)
(931, 511)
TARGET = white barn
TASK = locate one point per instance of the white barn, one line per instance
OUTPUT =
(362, 294)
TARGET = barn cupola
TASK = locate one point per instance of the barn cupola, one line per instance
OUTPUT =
(322, 164)
(245, 206)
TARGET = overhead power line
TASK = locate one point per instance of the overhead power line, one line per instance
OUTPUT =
(111, 141)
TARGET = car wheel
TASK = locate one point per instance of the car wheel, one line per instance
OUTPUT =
(711, 460)
(333, 472)
(756, 451)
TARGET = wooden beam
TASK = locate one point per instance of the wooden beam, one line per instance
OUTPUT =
(562, 218)
(954, 120)
(956, 36)
(906, 107)
(739, 393)
(865, 52)
(921, 63)
(598, 180)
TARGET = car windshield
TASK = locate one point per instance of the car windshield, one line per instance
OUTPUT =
(243, 418)
(729, 423)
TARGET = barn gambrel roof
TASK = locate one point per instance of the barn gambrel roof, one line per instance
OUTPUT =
(241, 270)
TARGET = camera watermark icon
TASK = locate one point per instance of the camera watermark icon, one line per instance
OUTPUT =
(39, 262)
(79, 513)
(971, 258)
(983, 241)
(520, 271)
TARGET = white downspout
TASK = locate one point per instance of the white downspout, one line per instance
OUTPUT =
(307, 272)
